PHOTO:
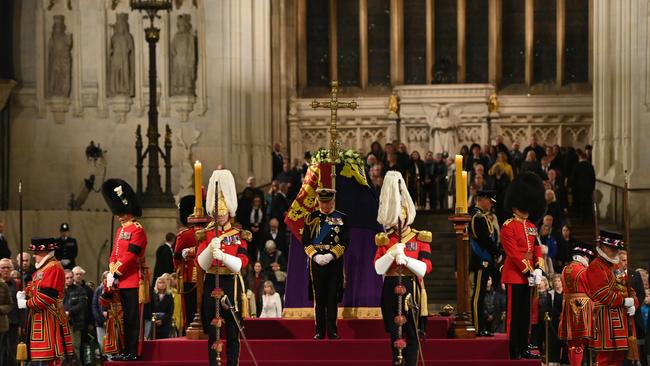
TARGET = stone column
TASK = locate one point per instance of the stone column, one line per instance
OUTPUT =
(461, 13)
(363, 43)
(240, 79)
(396, 42)
(622, 103)
(431, 49)
(560, 36)
(334, 70)
(529, 24)
(494, 39)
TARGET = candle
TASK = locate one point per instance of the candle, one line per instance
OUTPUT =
(459, 177)
(198, 194)
(463, 206)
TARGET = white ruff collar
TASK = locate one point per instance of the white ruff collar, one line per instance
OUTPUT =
(607, 258)
(45, 259)
(581, 259)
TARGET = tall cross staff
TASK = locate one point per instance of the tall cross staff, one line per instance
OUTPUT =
(334, 105)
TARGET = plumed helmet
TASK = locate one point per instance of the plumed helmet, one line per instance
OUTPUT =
(395, 201)
(120, 198)
(526, 193)
(227, 193)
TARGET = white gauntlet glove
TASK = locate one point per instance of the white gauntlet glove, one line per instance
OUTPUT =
(20, 299)
(537, 273)
(631, 310)
(320, 259)
(628, 302)
(401, 259)
(185, 252)
(110, 279)
(328, 258)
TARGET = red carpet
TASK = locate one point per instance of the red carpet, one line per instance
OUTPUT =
(364, 342)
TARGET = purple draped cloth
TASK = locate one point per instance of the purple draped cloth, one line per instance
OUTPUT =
(362, 284)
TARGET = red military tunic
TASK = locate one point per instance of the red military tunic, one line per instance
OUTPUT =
(233, 243)
(577, 308)
(610, 316)
(49, 334)
(417, 246)
(518, 238)
(127, 259)
(186, 238)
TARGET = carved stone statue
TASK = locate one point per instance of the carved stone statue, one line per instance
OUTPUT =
(183, 52)
(121, 74)
(59, 60)
(444, 131)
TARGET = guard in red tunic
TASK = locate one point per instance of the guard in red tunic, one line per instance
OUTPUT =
(184, 259)
(49, 331)
(523, 266)
(576, 319)
(407, 252)
(127, 268)
(612, 303)
(222, 255)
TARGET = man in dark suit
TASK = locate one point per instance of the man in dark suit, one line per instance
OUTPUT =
(278, 160)
(280, 204)
(254, 222)
(165, 257)
(583, 183)
(278, 235)
(4, 246)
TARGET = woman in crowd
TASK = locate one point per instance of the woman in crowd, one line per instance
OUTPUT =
(565, 245)
(556, 352)
(532, 165)
(415, 178)
(502, 166)
(255, 282)
(162, 307)
(377, 151)
(271, 302)
(549, 247)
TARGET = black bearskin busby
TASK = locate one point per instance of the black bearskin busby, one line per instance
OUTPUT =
(120, 198)
(185, 208)
(526, 193)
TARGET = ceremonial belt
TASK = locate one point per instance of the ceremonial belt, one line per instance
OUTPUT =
(405, 272)
(577, 295)
(221, 271)
(323, 246)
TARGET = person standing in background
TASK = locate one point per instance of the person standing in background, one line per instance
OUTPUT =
(67, 250)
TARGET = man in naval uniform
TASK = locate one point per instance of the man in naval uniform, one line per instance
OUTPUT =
(485, 253)
(325, 237)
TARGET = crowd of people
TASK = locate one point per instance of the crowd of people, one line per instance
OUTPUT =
(569, 181)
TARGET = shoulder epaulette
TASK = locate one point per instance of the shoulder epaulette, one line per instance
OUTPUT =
(381, 239)
(137, 224)
(425, 236)
(507, 222)
(246, 235)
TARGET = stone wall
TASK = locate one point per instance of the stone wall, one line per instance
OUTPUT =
(226, 119)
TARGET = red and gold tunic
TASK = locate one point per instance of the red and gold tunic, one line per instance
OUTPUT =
(127, 258)
(577, 308)
(49, 334)
(417, 246)
(610, 321)
(518, 238)
(186, 239)
(114, 338)
(233, 242)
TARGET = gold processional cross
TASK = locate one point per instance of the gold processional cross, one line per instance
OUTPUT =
(334, 105)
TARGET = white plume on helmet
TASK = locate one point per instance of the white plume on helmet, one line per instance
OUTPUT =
(391, 201)
(227, 188)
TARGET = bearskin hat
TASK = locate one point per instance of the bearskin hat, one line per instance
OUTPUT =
(120, 198)
(43, 244)
(526, 193)
(185, 208)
